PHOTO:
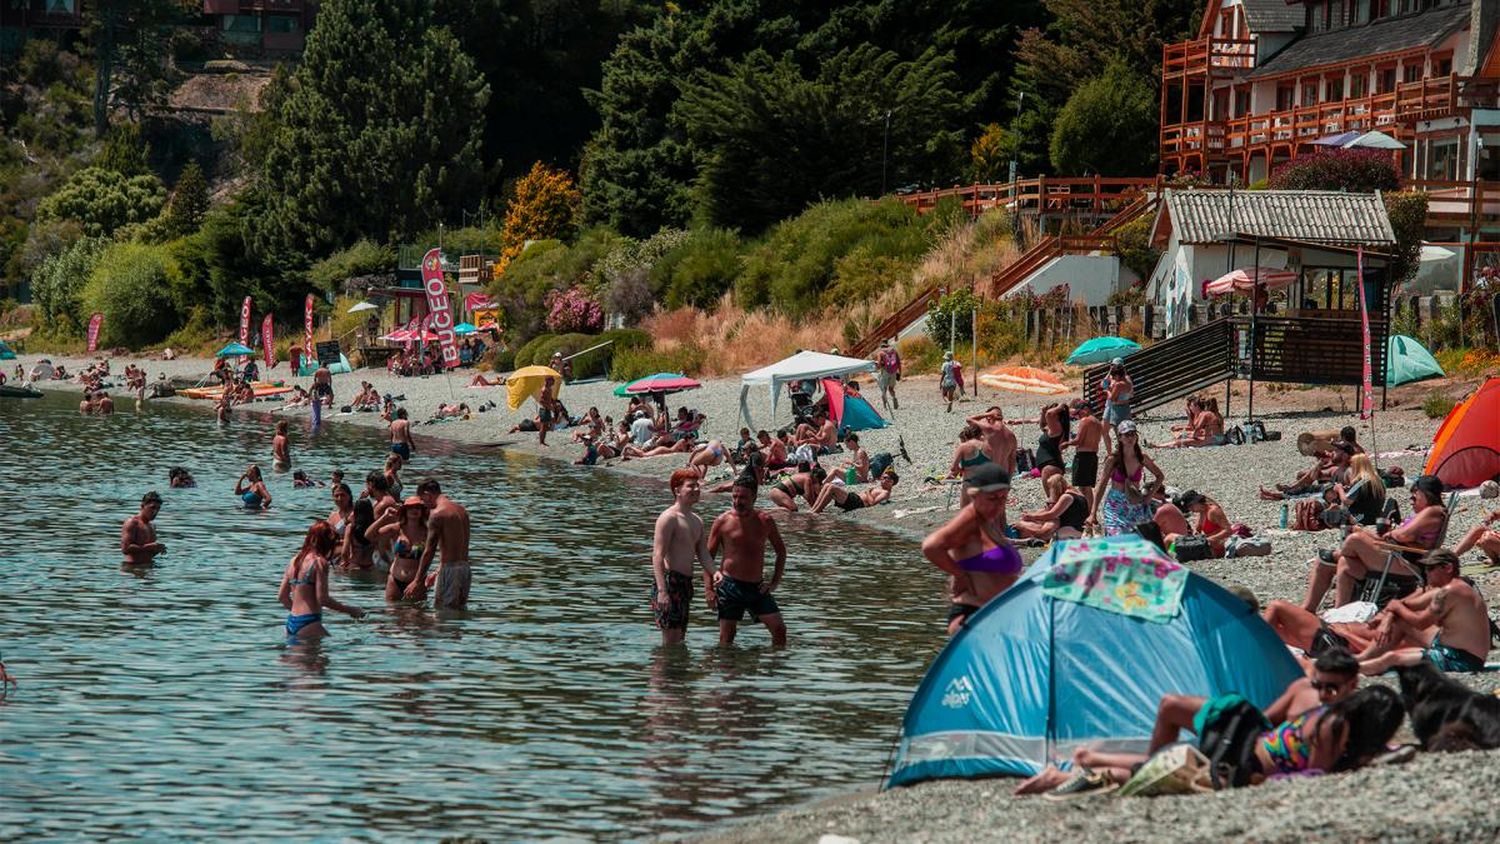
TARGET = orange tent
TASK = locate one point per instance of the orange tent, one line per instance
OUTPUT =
(1466, 450)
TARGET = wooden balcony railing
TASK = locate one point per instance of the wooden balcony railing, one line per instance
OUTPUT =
(1206, 55)
(1093, 195)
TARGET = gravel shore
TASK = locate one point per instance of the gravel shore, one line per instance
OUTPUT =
(1435, 798)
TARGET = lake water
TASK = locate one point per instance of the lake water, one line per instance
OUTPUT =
(168, 704)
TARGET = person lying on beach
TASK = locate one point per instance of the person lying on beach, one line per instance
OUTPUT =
(304, 586)
(480, 381)
(1446, 623)
(807, 482)
(846, 500)
(972, 548)
(1212, 524)
(180, 478)
(1364, 552)
(251, 489)
(1066, 513)
(300, 480)
(1322, 725)
(1483, 537)
(138, 535)
(452, 411)
(674, 447)
(1332, 466)
(298, 397)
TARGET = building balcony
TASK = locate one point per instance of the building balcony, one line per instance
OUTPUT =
(37, 14)
(241, 7)
(1208, 56)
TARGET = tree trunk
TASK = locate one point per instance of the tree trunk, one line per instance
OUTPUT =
(104, 60)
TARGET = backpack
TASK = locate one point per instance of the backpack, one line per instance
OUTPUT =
(1190, 548)
(880, 462)
(1229, 743)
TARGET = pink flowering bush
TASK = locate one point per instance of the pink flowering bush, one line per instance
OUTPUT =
(572, 310)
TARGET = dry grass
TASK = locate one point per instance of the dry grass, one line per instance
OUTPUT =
(733, 340)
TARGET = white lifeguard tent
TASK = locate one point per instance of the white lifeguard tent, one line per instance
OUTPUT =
(800, 366)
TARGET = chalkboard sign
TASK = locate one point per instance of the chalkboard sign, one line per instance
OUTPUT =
(328, 353)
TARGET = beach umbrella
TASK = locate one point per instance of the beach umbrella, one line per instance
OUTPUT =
(464, 328)
(1024, 379)
(624, 389)
(234, 350)
(1242, 280)
(1408, 361)
(1374, 140)
(1101, 349)
(527, 382)
(662, 382)
(1341, 139)
(363, 306)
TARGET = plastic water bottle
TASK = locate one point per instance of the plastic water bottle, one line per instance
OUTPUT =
(850, 476)
(1285, 508)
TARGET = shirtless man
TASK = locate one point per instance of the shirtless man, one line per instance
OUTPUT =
(222, 408)
(859, 459)
(106, 405)
(679, 541)
(323, 384)
(1484, 537)
(1085, 442)
(999, 440)
(447, 530)
(823, 436)
(281, 449)
(741, 533)
(401, 441)
(86, 405)
(1446, 624)
(138, 536)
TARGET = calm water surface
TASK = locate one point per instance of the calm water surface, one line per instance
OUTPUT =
(168, 704)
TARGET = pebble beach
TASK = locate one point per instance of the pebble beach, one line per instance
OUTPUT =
(1433, 798)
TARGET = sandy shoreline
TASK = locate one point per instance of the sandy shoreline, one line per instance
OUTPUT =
(1403, 806)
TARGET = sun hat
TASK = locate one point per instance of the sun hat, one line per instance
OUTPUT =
(1116, 361)
(987, 477)
(413, 501)
(1127, 427)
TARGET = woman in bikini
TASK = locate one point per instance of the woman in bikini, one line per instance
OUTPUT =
(341, 516)
(1212, 523)
(972, 547)
(1363, 552)
(808, 484)
(1049, 446)
(304, 586)
(708, 457)
(1125, 505)
(840, 496)
(1064, 517)
(393, 474)
(1117, 394)
(251, 488)
(405, 530)
(969, 453)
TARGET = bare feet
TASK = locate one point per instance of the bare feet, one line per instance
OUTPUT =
(1050, 778)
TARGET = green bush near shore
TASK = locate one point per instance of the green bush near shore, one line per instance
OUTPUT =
(135, 286)
(631, 364)
(1437, 405)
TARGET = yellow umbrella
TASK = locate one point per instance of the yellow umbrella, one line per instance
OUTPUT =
(527, 382)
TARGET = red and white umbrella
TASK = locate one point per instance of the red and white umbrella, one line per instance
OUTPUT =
(1240, 281)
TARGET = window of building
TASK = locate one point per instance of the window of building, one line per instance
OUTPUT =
(283, 24)
(1442, 66)
(1361, 12)
(1241, 103)
(1385, 80)
(1443, 162)
(1317, 17)
(1333, 89)
(241, 23)
(1284, 95)
(1359, 82)
(1310, 93)
(1412, 72)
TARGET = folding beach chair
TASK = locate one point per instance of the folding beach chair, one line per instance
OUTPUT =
(1377, 595)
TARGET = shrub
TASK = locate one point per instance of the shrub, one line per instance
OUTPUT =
(1408, 213)
(104, 200)
(545, 206)
(546, 266)
(584, 366)
(198, 334)
(526, 355)
(131, 285)
(1437, 405)
(630, 295)
(953, 310)
(1133, 246)
(638, 363)
(626, 339)
(364, 257)
(57, 287)
(573, 310)
(1353, 170)
(699, 271)
(919, 355)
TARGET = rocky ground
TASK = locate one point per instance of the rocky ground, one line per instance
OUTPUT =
(1432, 799)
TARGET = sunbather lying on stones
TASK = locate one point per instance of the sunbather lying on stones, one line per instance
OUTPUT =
(1483, 537)
(848, 500)
(1332, 467)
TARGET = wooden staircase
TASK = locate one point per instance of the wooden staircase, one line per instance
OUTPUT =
(1014, 273)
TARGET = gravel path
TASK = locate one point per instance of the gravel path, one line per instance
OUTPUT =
(1435, 798)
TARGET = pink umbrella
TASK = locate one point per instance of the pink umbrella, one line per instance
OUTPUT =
(400, 335)
(1240, 281)
(664, 383)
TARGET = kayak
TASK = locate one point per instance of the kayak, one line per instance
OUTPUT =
(261, 389)
(7, 391)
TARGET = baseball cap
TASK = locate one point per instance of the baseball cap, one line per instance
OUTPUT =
(1127, 427)
(987, 477)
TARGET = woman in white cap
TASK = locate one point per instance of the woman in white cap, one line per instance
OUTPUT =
(1126, 504)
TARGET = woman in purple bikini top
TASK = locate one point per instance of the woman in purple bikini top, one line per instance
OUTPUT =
(984, 572)
(1002, 559)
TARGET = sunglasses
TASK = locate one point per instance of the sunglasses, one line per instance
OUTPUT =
(1325, 687)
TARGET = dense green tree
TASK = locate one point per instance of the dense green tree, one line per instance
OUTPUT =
(57, 286)
(132, 284)
(132, 70)
(1082, 37)
(1108, 126)
(774, 139)
(104, 200)
(189, 201)
(379, 133)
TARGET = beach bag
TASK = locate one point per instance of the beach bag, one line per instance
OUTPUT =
(1227, 737)
(1190, 548)
(880, 462)
(1308, 514)
(1247, 546)
(1234, 436)
(1025, 460)
(1176, 769)
(1393, 477)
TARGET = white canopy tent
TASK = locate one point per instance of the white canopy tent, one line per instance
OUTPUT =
(796, 368)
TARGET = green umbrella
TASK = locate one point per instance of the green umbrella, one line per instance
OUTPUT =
(1408, 361)
(1101, 349)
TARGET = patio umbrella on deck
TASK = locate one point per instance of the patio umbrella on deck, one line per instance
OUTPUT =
(1374, 140)
(1241, 280)
(363, 306)
(1338, 140)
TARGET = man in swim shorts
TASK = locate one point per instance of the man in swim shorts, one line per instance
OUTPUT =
(401, 442)
(448, 532)
(323, 384)
(741, 534)
(679, 540)
(281, 450)
(138, 536)
(1446, 624)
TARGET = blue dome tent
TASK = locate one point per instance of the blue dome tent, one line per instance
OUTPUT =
(1043, 669)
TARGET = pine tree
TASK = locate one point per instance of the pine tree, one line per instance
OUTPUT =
(189, 201)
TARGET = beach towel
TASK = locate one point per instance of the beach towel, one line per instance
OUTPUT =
(1140, 584)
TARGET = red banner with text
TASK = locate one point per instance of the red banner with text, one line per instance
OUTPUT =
(95, 322)
(267, 335)
(1367, 396)
(438, 307)
(307, 336)
(245, 322)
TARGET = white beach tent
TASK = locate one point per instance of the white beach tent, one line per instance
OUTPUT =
(795, 368)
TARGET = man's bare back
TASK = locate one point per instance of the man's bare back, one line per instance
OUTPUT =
(449, 523)
(401, 431)
(1463, 619)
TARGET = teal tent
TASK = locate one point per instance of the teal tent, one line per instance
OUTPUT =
(5, 352)
(1408, 361)
(310, 365)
